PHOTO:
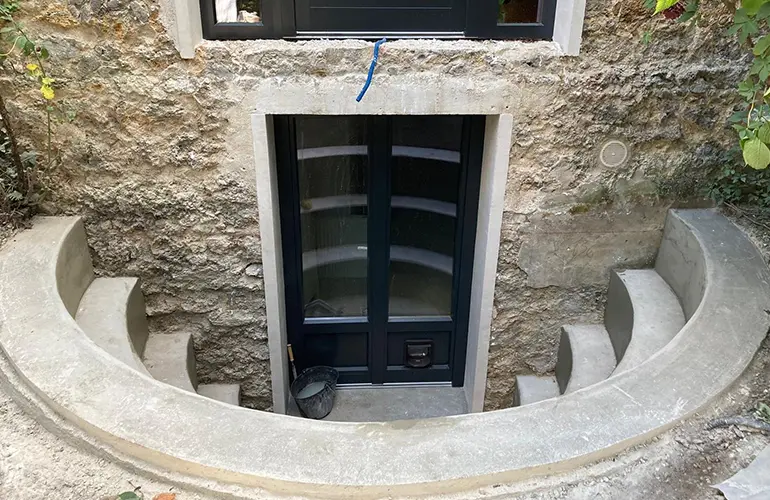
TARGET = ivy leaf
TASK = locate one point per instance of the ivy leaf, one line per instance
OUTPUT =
(764, 11)
(738, 117)
(661, 5)
(762, 45)
(743, 26)
(744, 134)
(748, 89)
(689, 11)
(756, 154)
(649, 4)
(763, 134)
(129, 495)
(752, 6)
(761, 68)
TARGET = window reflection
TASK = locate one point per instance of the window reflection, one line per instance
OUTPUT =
(517, 11)
(238, 11)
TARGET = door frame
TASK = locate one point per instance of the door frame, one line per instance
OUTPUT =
(494, 173)
(378, 324)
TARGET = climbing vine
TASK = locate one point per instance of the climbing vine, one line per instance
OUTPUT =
(23, 56)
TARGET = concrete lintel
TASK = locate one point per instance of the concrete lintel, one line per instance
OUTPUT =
(410, 94)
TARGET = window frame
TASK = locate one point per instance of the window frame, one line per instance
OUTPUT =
(278, 21)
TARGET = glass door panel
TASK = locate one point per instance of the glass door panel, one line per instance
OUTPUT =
(332, 175)
(425, 186)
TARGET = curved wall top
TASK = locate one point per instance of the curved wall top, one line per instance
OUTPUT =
(130, 411)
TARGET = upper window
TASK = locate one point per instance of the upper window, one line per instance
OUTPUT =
(248, 19)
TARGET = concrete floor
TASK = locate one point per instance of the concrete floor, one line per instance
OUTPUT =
(382, 404)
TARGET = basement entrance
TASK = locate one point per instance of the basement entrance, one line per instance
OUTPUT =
(378, 221)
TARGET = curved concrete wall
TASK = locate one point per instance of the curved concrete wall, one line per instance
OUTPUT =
(682, 263)
(350, 460)
(74, 271)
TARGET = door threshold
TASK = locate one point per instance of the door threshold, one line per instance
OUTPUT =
(396, 402)
(369, 35)
(395, 385)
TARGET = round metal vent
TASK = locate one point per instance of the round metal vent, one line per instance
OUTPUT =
(613, 153)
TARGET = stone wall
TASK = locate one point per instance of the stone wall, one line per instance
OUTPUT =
(159, 162)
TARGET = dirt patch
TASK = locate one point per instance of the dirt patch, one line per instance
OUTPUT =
(35, 464)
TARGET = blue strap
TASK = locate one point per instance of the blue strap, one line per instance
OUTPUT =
(371, 69)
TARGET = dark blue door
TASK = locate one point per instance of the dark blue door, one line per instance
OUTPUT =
(378, 222)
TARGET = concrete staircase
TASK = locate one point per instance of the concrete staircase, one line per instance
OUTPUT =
(641, 316)
(112, 314)
(79, 391)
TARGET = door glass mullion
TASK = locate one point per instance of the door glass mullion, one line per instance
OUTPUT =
(378, 243)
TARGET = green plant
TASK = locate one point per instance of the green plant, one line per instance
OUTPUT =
(738, 184)
(131, 495)
(19, 182)
(751, 25)
(762, 412)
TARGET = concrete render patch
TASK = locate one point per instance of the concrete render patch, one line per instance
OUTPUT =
(353, 460)
(556, 251)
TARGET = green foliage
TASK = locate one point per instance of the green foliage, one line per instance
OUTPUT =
(20, 187)
(129, 495)
(690, 12)
(253, 5)
(762, 412)
(751, 25)
(661, 5)
(755, 153)
(738, 184)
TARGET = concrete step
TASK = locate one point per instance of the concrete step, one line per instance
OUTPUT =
(532, 388)
(170, 358)
(226, 393)
(111, 312)
(642, 315)
(585, 357)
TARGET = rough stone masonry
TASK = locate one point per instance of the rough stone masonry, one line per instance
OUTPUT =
(159, 162)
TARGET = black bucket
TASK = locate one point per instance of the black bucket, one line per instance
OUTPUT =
(314, 391)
